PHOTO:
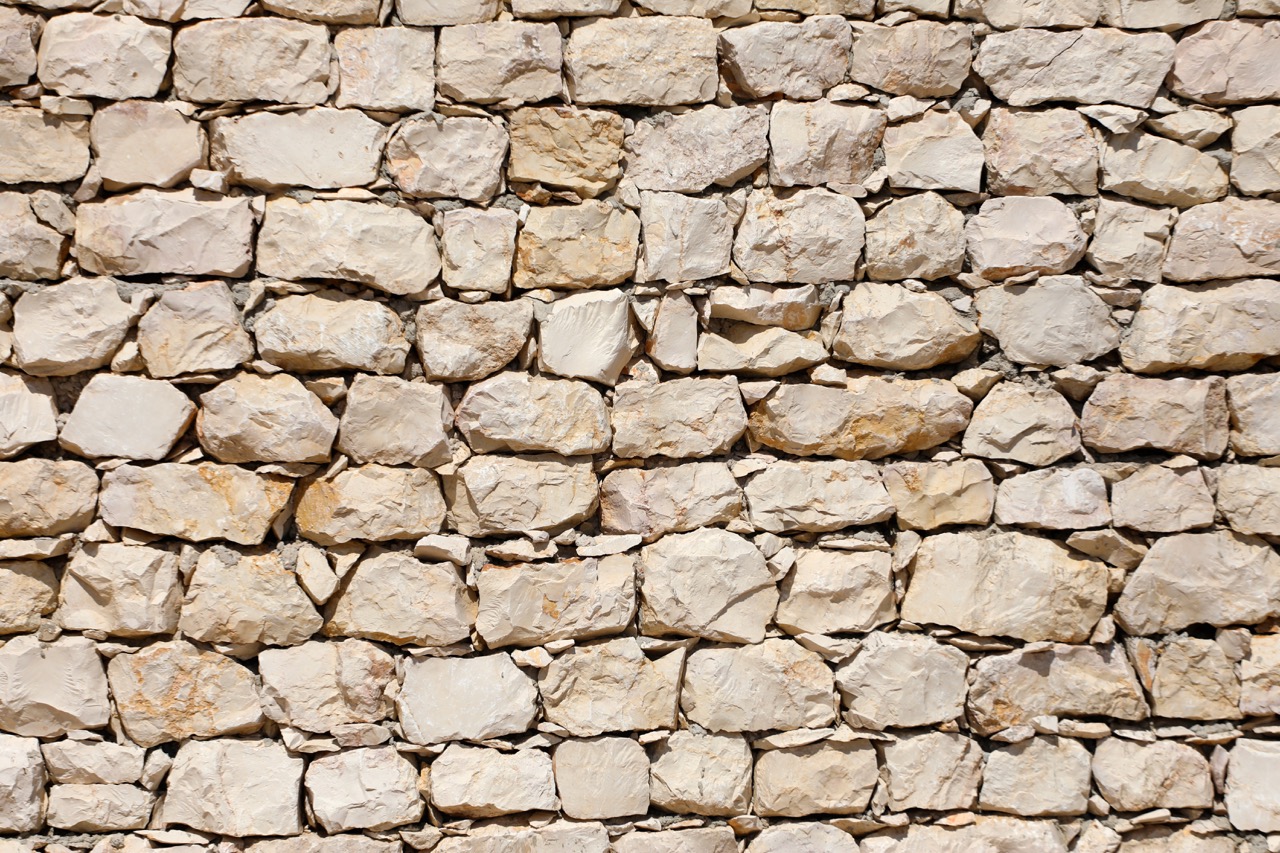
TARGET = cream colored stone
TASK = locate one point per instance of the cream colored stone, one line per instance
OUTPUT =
(1167, 14)
(44, 498)
(806, 236)
(937, 151)
(712, 839)
(929, 495)
(246, 599)
(178, 231)
(1040, 152)
(1255, 150)
(1025, 424)
(603, 777)
(1221, 326)
(458, 341)
(706, 774)
(19, 34)
(1232, 238)
(822, 142)
(799, 835)
(318, 686)
(610, 686)
(833, 592)
(509, 61)
(234, 787)
(50, 688)
(919, 58)
(1219, 578)
(105, 56)
(791, 308)
(444, 699)
(691, 151)
(532, 603)
(1160, 171)
(70, 327)
(1055, 499)
(1129, 240)
(517, 412)
(1155, 499)
(124, 590)
(41, 147)
(372, 789)
(193, 330)
(331, 331)
(29, 250)
(1254, 400)
(145, 142)
(820, 778)
(1251, 794)
(1224, 62)
(591, 244)
(1260, 676)
(685, 238)
(1247, 497)
(477, 782)
(587, 336)
(816, 496)
(499, 495)
(1195, 680)
(89, 763)
(589, 838)
(386, 68)
(98, 808)
(798, 61)
(916, 236)
(679, 418)
(252, 418)
(1137, 777)
(902, 681)
(433, 13)
(318, 147)
(435, 157)
(1092, 66)
(1043, 776)
(657, 501)
(651, 61)
(576, 149)
(1012, 689)
(1176, 415)
(986, 832)
(194, 502)
(698, 8)
(371, 502)
(126, 416)
(281, 60)
(326, 11)
(790, 688)
(890, 326)
(1013, 236)
(478, 248)
(28, 414)
(1058, 321)
(28, 591)
(933, 770)
(393, 422)
(1014, 14)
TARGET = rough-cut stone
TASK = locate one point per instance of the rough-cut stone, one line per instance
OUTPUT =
(1225, 326)
(245, 600)
(444, 699)
(708, 583)
(252, 418)
(576, 149)
(932, 770)
(804, 236)
(177, 231)
(759, 351)
(671, 499)
(679, 418)
(363, 789)
(1255, 150)
(1012, 236)
(1037, 777)
(318, 686)
(90, 763)
(685, 238)
(42, 148)
(870, 418)
(435, 13)
(563, 835)
(518, 412)
(50, 688)
(331, 331)
(98, 808)
(434, 157)
(1040, 152)
(1156, 499)
(790, 686)
(890, 326)
(234, 787)
(1195, 680)
(1177, 415)
(903, 681)
(610, 686)
(1162, 775)
(649, 61)
(1254, 401)
(1260, 676)
(706, 774)
(28, 591)
(816, 496)
(280, 60)
(509, 61)
(1092, 66)
(172, 691)
(476, 782)
(477, 248)
(819, 778)
(70, 327)
(124, 590)
(1014, 688)
(319, 147)
(391, 68)
(799, 61)
(591, 244)
(1226, 62)
(602, 778)
(836, 592)
(531, 603)
(1160, 171)
(29, 250)
(822, 142)
(515, 494)
(28, 414)
(1058, 321)
(713, 839)
(791, 308)
(919, 58)
(587, 336)
(1168, 14)
(916, 236)
(393, 422)
(1248, 499)
(19, 34)
(1232, 238)
(194, 502)
(1025, 424)
(372, 502)
(104, 56)
(44, 498)
(1219, 578)
(1129, 240)
(929, 495)
(937, 151)
(802, 835)
(1252, 799)
(691, 151)
(458, 341)
(193, 330)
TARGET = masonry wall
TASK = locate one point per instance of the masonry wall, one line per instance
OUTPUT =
(814, 426)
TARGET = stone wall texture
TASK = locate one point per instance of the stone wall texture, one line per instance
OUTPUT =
(639, 426)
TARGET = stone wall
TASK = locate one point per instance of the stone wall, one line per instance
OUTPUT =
(556, 425)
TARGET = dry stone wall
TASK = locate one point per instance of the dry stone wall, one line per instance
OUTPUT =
(695, 426)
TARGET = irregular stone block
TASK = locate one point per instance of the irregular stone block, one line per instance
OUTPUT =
(642, 61)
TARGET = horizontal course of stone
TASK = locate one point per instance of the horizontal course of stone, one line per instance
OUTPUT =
(640, 426)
